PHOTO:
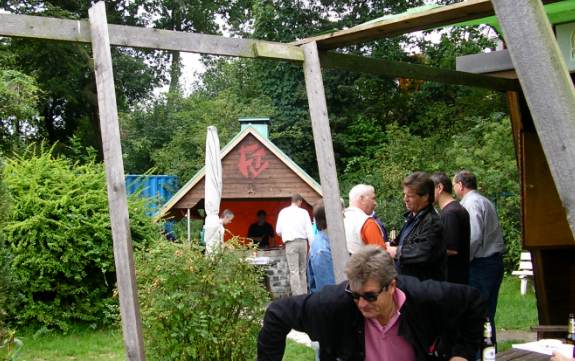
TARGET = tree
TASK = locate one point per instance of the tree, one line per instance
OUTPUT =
(64, 72)
(170, 135)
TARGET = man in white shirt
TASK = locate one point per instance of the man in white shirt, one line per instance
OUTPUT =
(294, 227)
(360, 228)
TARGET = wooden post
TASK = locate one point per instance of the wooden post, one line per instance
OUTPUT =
(547, 87)
(325, 158)
(189, 226)
(117, 199)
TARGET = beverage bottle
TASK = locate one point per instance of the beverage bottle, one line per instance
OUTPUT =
(487, 344)
(571, 331)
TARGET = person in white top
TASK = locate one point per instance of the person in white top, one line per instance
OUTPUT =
(294, 227)
(360, 228)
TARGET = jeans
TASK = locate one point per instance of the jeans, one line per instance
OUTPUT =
(486, 274)
(296, 256)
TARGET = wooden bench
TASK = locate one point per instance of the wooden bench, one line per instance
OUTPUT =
(525, 271)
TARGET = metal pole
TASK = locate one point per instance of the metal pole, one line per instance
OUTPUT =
(547, 87)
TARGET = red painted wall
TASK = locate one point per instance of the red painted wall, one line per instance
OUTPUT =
(245, 214)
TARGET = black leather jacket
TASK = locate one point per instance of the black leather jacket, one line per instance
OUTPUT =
(448, 315)
(424, 252)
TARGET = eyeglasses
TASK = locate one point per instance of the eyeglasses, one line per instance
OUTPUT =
(368, 296)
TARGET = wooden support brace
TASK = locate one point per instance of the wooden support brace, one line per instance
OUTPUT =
(117, 199)
(389, 68)
(547, 87)
(325, 158)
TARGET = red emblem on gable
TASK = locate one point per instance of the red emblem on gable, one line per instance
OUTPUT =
(251, 162)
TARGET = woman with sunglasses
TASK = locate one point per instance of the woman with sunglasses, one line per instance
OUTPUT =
(379, 316)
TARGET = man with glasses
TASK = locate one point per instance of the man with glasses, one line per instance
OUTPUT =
(379, 315)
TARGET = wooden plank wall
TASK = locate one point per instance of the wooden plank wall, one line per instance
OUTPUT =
(263, 176)
(546, 232)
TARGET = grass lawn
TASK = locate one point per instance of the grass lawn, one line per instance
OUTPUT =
(514, 312)
(105, 346)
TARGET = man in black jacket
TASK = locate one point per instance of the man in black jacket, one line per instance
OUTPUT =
(378, 315)
(420, 248)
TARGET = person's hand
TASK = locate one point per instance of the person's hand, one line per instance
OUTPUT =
(457, 358)
(559, 357)
(392, 251)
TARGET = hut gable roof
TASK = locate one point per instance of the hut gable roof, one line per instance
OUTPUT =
(241, 138)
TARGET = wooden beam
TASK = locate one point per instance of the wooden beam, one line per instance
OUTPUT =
(325, 158)
(138, 37)
(413, 71)
(547, 87)
(404, 23)
(482, 63)
(117, 199)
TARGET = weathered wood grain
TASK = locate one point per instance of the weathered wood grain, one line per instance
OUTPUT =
(547, 87)
(139, 37)
(117, 199)
(325, 157)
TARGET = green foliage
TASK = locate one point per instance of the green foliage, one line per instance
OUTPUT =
(19, 118)
(485, 148)
(58, 234)
(199, 308)
(171, 136)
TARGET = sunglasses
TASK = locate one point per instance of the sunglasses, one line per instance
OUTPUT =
(368, 296)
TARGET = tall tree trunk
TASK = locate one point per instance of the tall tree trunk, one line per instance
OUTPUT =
(175, 72)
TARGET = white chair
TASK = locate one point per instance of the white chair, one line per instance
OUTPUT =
(525, 271)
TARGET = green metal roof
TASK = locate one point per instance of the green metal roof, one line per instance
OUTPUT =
(558, 13)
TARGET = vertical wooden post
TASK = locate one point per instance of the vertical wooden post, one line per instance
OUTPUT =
(325, 158)
(117, 199)
(189, 226)
(547, 87)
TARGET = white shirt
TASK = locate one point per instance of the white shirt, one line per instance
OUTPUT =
(294, 222)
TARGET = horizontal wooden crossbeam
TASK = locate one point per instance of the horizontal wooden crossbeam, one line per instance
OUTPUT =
(140, 37)
(413, 71)
(402, 24)
(405, 23)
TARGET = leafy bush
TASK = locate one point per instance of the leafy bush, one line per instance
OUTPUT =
(57, 231)
(199, 308)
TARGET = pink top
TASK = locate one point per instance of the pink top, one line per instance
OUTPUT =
(382, 343)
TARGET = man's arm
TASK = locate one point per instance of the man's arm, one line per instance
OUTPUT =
(425, 247)
(456, 312)
(371, 233)
(452, 233)
(283, 315)
(279, 223)
(476, 224)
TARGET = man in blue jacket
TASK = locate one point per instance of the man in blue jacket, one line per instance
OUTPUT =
(378, 315)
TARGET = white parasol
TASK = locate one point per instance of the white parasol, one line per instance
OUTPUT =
(213, 229)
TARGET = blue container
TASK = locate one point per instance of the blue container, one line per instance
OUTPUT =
(157, 188)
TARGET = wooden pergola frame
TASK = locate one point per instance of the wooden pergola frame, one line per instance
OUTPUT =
(554, 118)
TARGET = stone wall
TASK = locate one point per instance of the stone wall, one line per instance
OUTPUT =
(277, 272)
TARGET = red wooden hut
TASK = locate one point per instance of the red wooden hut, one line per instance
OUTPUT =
(256, 175)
